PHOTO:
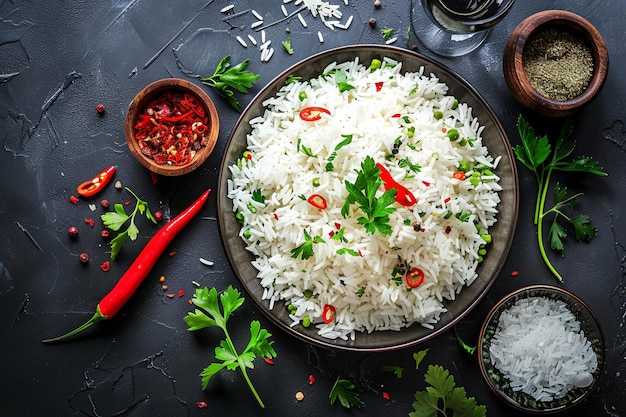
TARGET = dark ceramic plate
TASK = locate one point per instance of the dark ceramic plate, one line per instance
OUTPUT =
(494, 137)
(496, 380)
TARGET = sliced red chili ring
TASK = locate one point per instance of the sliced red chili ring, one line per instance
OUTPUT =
(329, 313)
(403, 195)
(311, 114)
(415, 277)
(317, 201)
(459, 175)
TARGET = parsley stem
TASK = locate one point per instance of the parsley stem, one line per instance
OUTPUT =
(542, 249)
(242, 366)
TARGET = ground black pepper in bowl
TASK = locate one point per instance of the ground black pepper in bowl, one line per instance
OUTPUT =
(558, 64)
(555, 63)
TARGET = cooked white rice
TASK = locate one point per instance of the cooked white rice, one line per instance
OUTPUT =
(540, 348)
(359, 284)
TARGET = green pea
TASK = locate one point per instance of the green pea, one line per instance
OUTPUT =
(306, 321)
(316, 182)
(486, 237)
(251, 208)
(438, 115)
(455, 104)
(482, 252)
(247, 234)
(453, 134)
(375, 64)
(302, 95)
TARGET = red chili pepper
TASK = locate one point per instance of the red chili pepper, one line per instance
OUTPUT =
(386, 395)
(74, 199)
(396, 115)
(403, 195)
(201, 404)
(379, 85)
(268, 361)
(459, 175)
(95, 185)
(514, 273)
(415, 278)
(317, 201)
(311, 379)
(311, 114)
(139, 269)
(90, 222)
(328, 313)
(181, 293)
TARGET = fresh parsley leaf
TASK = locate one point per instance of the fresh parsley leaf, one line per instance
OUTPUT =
(287, 46)
(397, 370)
(115, 220)
(341, 79)
(348, 251)
(227, 77)
(343, 390)
(419, 356)
(363, 193)
(443, 396)
(386, 32)
(465, 346)
(258, 196)
(537, 154)
(305, 250)
(213, 310)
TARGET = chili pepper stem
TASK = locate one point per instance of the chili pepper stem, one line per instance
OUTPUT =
(97, 317)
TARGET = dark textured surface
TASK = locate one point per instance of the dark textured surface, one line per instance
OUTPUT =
(58, 61)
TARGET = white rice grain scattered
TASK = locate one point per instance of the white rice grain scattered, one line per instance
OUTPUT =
(228, 8)
(320, 36)
(391, 40)
(242, 42)
(302, 21)
(257, 15)
(205, 262)
(256, 24)
(284, 10)
(252, 40)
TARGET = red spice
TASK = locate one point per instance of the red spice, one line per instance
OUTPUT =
(379, 85)
(158, 216)
(172, 128)
(459, 175)
(106, 266)
(337, 225)
(74, 199)
(162, 278)
(181, 293)
(396, 115)
(444, 130)
(311, 379)
(100, 108)
(448, 230)
(106, 235)
(128, 203)
(331, 233)
(514, 273)
(172, 253)
(426, 183)
(386, 395)
(90, 222)
(269, 361)
(84, 257)
(447, 200)
(275, 216)
(170, 295)
(202, 404)
(360, 253)
(72, 231)
(164, 287)
(104, 203)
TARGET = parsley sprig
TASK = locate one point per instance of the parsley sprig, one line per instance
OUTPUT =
(443, 396)
(343, 390)
(363, 192)
(538, 155)
(210, 314)
(115, 220)
(227, 77)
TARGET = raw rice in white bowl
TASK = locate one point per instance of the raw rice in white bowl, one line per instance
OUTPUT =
(403, 122)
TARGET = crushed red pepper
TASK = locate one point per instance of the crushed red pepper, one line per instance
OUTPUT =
(172, 128)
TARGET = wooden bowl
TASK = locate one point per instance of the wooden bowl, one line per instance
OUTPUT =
(513, 62)
(139, 105)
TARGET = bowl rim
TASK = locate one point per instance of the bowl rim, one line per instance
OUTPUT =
(563, 295)
(514, 51)
(149, 92)
(230, 238)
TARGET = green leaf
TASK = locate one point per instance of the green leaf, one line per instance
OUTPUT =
(397, 370)
(116, 243)
(425, 405)
(227, 77)
(198, 320)
(305, 250)
(287, 46)
(209, 372)
(556, 234)
(534, 150)
(419, 356)
(343, 390)
(113, 219)
(231, 300)
(583, 229)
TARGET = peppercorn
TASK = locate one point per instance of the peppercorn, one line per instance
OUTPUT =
(106, 266)
(106, 235)
(104, 203)
(158, 216)
(72, 231)
(84, 257)
(372, 22)
(100, 108)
